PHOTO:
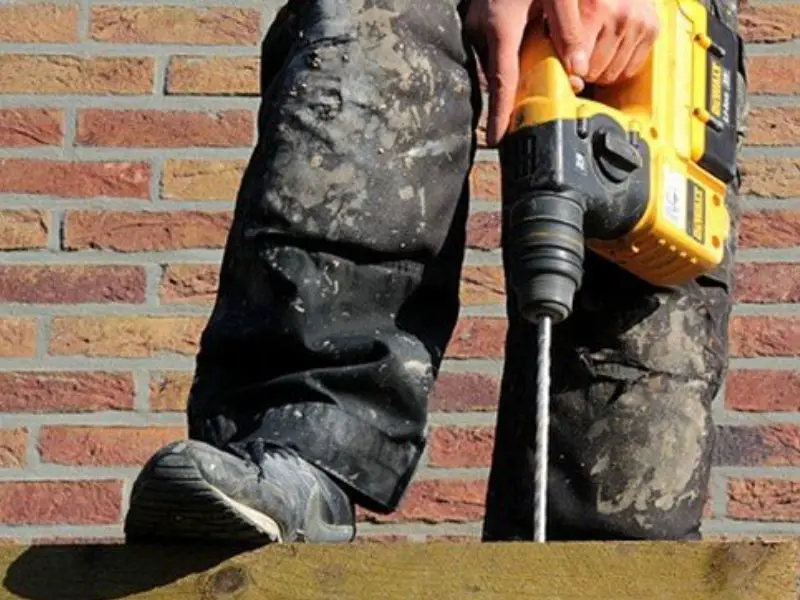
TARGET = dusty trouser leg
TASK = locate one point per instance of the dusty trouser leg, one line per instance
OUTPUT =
(339, 284)
(635, 371)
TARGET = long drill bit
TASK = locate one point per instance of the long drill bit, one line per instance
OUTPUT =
(542, 428)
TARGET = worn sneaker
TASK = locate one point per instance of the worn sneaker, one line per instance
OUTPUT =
(260, 494)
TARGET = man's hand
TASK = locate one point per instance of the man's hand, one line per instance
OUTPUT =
(599, 41)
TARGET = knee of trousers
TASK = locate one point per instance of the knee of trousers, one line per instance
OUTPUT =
(641, 469)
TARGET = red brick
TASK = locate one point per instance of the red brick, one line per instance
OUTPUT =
(128, 337)
(60, 502)
(482, 285)
(773, 75)
(75, 75)
(170, 391)
(17, 337)
(462, 392)
(778, 391)
(758, 446)
(773, 126)
(218, 25)
(71, 284)
(12, 447)
(65, 392)
(484, 181)
(29, 127)
(143, 231)
(186, 179)
(189, 284)
(770, 229)
(437, 501)
(483, 231)
(74, 179)
(164, 128)
(763, 283)
(764, 336)
(456, 447)
(213, 75)
(776, 500)
(480, 337)
(38, 22)
(104, 446)
(23, 229)
(770, 177)
(770, 23)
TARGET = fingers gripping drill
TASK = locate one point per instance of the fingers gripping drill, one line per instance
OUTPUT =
(636, 172)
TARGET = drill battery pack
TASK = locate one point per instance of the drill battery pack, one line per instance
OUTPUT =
(645, 162)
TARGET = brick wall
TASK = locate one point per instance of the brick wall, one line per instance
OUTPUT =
(123, 132)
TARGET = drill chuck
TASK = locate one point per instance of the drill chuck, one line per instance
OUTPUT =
(545, 231)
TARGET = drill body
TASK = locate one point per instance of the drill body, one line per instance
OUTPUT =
(636, 172)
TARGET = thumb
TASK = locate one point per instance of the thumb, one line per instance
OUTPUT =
(503, 73)
(568, 35)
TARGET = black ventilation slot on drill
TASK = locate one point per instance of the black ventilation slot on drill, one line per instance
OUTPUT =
(524, 148)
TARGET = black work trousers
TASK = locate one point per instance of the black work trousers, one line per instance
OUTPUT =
(339, 291)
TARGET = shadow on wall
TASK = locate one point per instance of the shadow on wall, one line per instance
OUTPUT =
(104, 572)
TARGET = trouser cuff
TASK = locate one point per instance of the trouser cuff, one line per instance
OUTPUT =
(376, 468)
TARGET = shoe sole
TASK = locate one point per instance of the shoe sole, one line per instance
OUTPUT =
(173, 502)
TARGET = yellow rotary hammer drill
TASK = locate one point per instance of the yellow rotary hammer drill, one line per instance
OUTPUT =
(636, 172)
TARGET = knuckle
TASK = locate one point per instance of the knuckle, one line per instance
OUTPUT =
(592, 7)
(654, 25)
(650, 22)
(616, 10)
(624, 11)
(571, 37)
(603, 6)
(644, 28)
(649, 35)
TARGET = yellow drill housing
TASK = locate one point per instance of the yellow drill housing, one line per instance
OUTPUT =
(663, 144)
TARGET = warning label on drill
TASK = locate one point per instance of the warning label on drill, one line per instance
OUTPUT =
(696, 212)
(675, 200)
(685, 205)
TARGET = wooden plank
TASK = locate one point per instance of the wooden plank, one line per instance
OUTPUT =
(752, 570)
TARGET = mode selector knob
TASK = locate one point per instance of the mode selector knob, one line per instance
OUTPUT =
(616, 156)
